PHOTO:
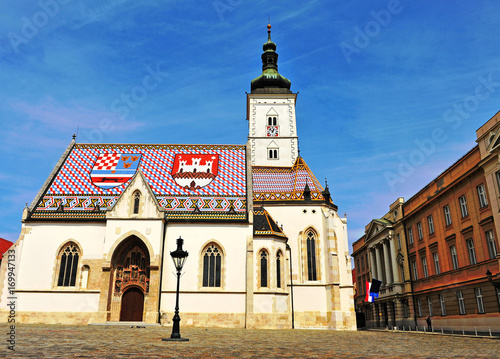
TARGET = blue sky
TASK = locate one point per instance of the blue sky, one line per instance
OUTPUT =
(390, 92)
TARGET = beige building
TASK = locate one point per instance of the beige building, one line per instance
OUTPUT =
(381, 254)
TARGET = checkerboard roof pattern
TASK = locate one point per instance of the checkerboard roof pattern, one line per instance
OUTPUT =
(156, 165)
(73, 189)
(285, 180)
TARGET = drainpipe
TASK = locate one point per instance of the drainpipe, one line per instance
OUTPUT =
(291, 285)
(161, 268)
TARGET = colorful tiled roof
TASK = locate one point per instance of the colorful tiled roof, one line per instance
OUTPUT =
(285, 183)
(264, 224)
(190, 181)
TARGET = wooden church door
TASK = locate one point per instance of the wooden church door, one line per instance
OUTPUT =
(132, 305)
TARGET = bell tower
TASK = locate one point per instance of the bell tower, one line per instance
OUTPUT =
(272, 130)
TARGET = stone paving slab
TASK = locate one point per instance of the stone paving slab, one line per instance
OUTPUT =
(65, 341)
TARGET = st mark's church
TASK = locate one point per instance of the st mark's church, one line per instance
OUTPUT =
(266, 245)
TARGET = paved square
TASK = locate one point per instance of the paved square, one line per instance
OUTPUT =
(64, 341)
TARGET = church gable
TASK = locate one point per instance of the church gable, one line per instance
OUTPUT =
(202, 182)
(137, 201)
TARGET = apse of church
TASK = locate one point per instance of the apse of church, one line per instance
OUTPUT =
(102, 227)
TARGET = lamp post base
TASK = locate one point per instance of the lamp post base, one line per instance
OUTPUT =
(175, 339)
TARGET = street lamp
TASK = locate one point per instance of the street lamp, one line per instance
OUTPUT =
(494, 282)
(179, 257)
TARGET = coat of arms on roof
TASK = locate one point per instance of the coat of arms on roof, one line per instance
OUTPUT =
(193, 171)
(113, 169)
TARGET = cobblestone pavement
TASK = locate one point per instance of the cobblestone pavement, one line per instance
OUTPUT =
(65, 341)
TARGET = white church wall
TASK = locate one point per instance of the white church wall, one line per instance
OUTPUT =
(204, 302)
(309, 298)
(295, 221)
(231, 237)
(58, 302)
(38, 259)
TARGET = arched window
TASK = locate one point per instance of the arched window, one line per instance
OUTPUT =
(311, 256)
(85, 277)
(68, 265)
(263, 268)
(278, 269)
(137, 201)
(212, 264)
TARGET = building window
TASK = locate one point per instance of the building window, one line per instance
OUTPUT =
(435, 256)
(483, 202)
(498, 180)
(430, 222)
(419, 307)
(447, 215)
(212, 265)
(68, 265)
(420, 233)
(263, 269)
(357, 265)
(472, 251)
(278, 269)
(362, 263)
(405, 306)
(272, 154)
(443, 305)
(424, 267)
(311, 256)
(461, 302)
(454, 257)
(137, 201)
(479, 300)
(429, 304)
(463, 206)
(410, 235)
(414, 268)
(399, 241)
(492, 247)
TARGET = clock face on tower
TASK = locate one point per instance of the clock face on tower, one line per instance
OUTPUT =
(272, 131)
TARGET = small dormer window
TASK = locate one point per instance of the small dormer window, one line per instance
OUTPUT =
(137, 202)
